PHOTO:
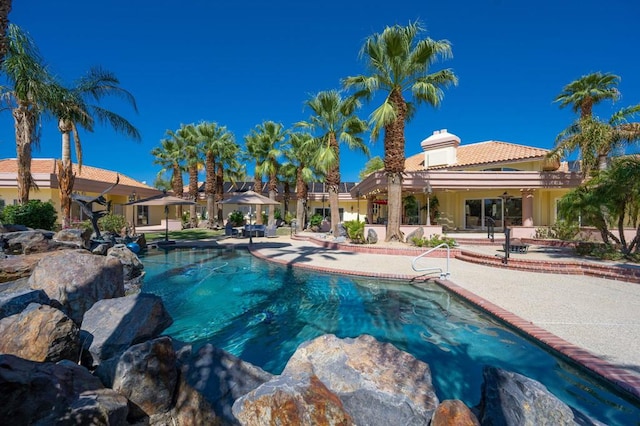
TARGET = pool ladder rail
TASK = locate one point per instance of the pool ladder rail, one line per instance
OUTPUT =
(444, 275)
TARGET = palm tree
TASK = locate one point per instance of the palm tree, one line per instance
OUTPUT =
(72, 109)
(170, 156)
(229, 169)
(256, 152)
(589, 90)
(597, 140)
(188, 134)
(214, 139)
(5, 8)
(399, 62)
(272, 135)
(334, 118)
(31, 89)
(302, 149)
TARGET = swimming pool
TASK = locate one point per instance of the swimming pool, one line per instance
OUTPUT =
(261, 312)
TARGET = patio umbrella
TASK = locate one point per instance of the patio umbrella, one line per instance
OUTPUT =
(165, 200)
(251, 198)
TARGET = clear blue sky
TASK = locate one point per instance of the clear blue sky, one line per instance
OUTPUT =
(240, 63)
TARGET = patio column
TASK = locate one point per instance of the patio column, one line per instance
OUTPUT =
(527, 207)
(369, 210)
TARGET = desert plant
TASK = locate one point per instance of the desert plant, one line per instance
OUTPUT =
(34, 214)
(355, 231)
(315, 220)
(433, 241)
(288, 217)
(113, 223)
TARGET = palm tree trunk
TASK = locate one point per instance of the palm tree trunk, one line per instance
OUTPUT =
(210, 187)
(24, 120)
(177, 185)
(332, 180)
(301, 204)
(193, 194)
(65, 173)
(273, 186)
(257, 187)
(394, 166)
(219, 191)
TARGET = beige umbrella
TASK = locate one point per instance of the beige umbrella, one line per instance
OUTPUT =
(165, 200)
(251, 198)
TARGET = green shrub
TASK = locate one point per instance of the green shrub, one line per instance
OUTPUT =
(355, 231)
(561, 230)
(288, 217)
(112, 223)
(35, 214)
(315, 220)
(433, 241)
(236, 218)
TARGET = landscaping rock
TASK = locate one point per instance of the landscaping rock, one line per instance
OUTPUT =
(147, 375)
(27, 242)
(372, 236)
(376, 383)
(341, 230)
(80, 238)
(132, 267)
(40, 333)
(287, 400)
(77, 279)
(190, 408)
(512, 399)
(12, 303)
(16, 267)
(453, 412)
(111, 326)
(417, 233)
(221, 377)
(63, 393)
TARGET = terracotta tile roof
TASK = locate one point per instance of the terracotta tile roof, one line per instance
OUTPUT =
(47, 165)
(489, 152)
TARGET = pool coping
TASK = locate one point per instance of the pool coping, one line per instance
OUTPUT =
(618, 378)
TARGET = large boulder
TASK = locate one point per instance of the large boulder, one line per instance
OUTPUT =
(79, 238)
(27, 242)
(12, 303)
(376, 383)
(63, 393)
(372, 236)
(509, 398)
(293, 400)
(111, 326)
(132, 267)
(147, 375)
(453, 412)
(220, 377)
(417, 233)
(77, 279)
(40, 333)
(15, 267)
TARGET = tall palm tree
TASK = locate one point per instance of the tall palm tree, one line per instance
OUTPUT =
(302, 149)
(73, 110)
(5, 8)
(192, 145)
(170, 156)
(28, 96)
(597, 140)
(589, 90)
(214, 140)
(229, 169)
(399, 62)
(272, 135)
(334, 118)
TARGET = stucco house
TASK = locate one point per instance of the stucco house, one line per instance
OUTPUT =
(471, 185)
(90, 181)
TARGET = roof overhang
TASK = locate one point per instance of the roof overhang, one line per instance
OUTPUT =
(459, 180)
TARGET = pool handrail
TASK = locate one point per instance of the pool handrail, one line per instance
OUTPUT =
(443, 275)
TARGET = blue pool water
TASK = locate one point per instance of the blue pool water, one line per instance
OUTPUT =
(261, 312)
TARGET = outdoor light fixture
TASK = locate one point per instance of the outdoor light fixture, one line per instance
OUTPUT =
(428, 190)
